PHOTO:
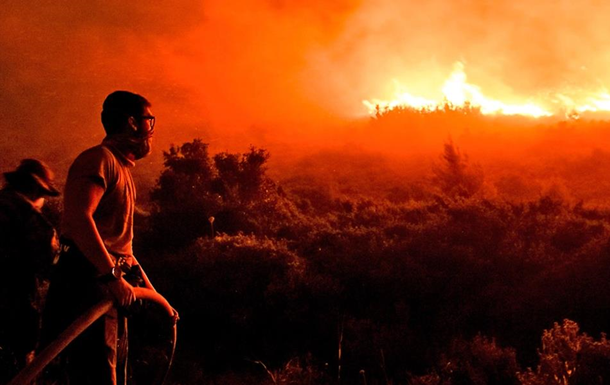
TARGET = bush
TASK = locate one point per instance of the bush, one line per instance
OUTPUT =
(570, 357)
(198, 196)
(235, 295)
(479, 361)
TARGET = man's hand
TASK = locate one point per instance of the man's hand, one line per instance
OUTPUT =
(122, 292)
(176, 316)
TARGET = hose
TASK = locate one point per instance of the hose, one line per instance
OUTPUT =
(32, 370)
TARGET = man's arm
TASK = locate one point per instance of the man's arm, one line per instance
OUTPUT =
(151, 287)
(82, 197)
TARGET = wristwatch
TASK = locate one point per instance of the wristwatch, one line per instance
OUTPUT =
(115, 274)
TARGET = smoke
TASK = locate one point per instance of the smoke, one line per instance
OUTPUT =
(254, 72)
(516, 50)
(211, 69)
(61, 58)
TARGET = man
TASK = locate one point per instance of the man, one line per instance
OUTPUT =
(28, 246)
(96, 244)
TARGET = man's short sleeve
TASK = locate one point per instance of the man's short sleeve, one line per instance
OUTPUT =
(93, 165)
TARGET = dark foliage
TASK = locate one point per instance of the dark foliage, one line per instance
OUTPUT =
(198, 195)
(400, 288)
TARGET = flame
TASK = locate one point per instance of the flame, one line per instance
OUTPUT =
(598, 103)
(459, 93)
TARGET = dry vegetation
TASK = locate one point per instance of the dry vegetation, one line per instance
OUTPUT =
(355, 264)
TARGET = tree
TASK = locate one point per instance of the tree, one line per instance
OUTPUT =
(249, 197)
(232, 188)
(241, 177)
(455, 176)
(183, 196)
(570, 357)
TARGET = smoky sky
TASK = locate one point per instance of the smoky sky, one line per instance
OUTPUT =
(242, 71)
(512, 49)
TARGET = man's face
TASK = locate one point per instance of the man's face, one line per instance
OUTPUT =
(146, 123)
(141, 142)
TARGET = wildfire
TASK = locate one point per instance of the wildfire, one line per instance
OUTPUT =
(459, 93)
(598, 103)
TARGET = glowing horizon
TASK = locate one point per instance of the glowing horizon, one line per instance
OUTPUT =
(458, 92)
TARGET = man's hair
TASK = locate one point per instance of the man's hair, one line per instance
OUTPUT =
(118, 107)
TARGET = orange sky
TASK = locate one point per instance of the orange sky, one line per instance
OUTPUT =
(234, 72)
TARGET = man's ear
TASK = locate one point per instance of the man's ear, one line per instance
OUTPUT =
(132, 124)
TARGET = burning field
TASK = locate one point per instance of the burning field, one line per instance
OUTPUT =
(347, 191)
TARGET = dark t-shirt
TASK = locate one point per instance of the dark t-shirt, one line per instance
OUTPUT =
(28, 245)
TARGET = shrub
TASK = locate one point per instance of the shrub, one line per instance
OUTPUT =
(570, 357)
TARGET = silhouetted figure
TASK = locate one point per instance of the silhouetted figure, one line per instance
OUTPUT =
(96, 242)
(28, 246)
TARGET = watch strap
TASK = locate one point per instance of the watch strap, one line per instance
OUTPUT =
(112, 276)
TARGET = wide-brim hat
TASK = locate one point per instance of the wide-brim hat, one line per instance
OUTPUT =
(32, 171)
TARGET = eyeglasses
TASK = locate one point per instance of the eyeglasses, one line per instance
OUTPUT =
(151, 118)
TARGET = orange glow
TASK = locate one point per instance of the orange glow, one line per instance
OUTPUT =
(459, 93)
(273, 72)
(596, 103)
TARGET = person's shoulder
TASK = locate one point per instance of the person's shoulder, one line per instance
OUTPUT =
(94, 157)
(11, 202)
(7, 197)
(96, 152)
(96, 162)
